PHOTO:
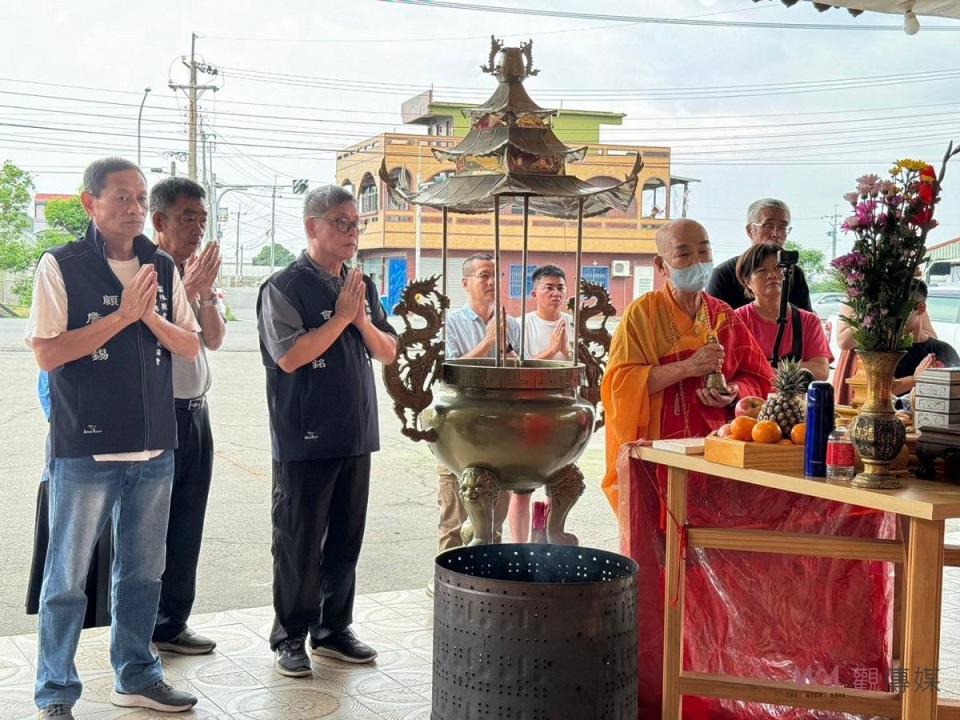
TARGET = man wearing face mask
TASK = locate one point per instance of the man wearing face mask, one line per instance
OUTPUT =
(668, 341)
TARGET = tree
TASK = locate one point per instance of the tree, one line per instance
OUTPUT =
(16, 188)
(281, 256)
(812, 262)
(67, 215)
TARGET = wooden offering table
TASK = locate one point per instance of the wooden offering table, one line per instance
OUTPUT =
(922, 505)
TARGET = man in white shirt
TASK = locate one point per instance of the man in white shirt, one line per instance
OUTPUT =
(548, 335)
(549, 330)
(108, 312)
(179, 220)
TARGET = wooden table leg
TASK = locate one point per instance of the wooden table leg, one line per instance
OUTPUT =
(674, 587)
(922, 584)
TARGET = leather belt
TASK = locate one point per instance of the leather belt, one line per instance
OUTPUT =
(190, 404)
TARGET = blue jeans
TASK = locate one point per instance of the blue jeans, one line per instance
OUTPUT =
(83, 494)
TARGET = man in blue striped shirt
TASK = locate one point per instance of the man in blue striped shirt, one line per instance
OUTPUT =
(471, 333)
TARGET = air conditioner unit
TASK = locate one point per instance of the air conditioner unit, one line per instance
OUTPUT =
(620, 268)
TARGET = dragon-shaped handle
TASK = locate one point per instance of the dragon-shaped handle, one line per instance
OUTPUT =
(410, 377)
(594, 345)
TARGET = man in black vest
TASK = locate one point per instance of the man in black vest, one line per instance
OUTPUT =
(108, 311)
(179, 219)
(320, 324)
(768, 221)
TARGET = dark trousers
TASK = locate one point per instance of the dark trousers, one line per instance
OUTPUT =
(319, 512)
(193, 468)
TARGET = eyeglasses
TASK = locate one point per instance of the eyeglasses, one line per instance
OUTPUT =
(773, 227)
(776, 272)
(482, 276)
(343, 225)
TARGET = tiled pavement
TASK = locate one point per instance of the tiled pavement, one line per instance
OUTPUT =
(238, 680)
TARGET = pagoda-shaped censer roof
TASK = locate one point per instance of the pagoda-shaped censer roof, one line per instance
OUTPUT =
(511, 150)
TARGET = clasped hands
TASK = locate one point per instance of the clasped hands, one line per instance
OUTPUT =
(352, 301)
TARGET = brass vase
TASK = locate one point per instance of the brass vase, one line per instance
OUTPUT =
(876, 432)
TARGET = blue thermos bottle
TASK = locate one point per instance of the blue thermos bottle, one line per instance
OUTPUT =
(819, 427)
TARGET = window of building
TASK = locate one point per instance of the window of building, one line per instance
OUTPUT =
(598, 275)
(515, 282)
(369, 198)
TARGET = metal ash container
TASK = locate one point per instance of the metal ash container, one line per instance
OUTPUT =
(534, 632)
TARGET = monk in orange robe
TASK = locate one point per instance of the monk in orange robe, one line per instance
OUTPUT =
(746, 614)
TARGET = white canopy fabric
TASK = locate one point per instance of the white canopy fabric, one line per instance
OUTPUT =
(941, 8)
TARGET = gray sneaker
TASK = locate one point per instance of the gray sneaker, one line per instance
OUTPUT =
(55, 712)
(160, 697)
(291, 659)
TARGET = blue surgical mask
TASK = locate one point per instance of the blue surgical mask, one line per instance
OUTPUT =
(693, 278)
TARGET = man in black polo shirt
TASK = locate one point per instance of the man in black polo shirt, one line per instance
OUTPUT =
(768, 221)
(108, 311)
(179, 220)
(320, 324)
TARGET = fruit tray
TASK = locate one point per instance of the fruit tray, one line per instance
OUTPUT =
(753, 455)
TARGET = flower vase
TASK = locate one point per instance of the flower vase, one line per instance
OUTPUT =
(876, 433)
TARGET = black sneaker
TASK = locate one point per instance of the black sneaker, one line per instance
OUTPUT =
(160, 697)
(343, 646)
(187, 643)
(57, 712)
(291, 659)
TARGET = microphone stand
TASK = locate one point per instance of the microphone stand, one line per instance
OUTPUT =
(782, 317)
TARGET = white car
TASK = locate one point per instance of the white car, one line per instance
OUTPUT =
(943, 306)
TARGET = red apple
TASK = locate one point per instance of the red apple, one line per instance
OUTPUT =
(749, 406)
(724, 431)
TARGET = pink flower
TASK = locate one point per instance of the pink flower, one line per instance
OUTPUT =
(851, 223)
(854, 292)
(888, 187)
(852, 198)
(868, 185)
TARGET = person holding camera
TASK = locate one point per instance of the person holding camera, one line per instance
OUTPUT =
(761, 275)
(768, 221)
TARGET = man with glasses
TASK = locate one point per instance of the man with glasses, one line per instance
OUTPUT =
(179, 221)
(471, 332)
(768, 221)
(320, 324)
(109, 311)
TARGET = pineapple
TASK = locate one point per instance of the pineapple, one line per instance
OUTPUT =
(787, 406)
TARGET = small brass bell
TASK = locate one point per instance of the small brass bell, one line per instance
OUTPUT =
(716, 380)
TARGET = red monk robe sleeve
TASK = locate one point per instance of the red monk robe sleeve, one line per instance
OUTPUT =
(630, 412)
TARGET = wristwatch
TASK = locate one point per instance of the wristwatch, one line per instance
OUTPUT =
(212, 302)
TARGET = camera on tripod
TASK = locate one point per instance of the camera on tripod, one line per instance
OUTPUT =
(788, 258)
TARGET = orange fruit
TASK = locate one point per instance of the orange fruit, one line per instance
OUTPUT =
(767, 431)
(798, 436)
(785, 441)
(742, 427)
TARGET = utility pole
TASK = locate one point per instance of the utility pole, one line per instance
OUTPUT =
(236, 252)
(834, 221)
(273, 223)
(193, 91)
(192, 110)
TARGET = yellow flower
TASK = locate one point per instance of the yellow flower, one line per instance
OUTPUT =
(914, 165)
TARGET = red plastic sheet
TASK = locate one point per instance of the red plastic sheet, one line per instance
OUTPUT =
(755, 615)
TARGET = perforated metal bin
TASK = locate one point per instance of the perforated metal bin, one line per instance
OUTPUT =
(534, 632)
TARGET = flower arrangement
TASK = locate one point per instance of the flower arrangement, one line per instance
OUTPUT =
(891, 219)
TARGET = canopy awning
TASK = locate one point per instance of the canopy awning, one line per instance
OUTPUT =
(552, 195)
(937, 8)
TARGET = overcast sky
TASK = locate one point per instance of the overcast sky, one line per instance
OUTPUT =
(751, 112)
